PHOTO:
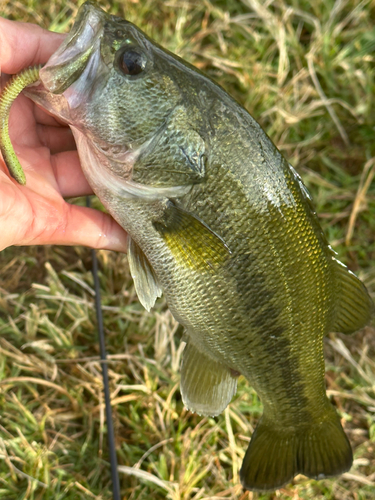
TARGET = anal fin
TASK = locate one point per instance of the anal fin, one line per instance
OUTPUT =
(207, 386)
(145, 281)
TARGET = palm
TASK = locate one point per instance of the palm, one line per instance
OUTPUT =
(39, 206)
(37, 213)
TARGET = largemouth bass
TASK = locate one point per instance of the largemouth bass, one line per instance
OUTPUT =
(223, 226)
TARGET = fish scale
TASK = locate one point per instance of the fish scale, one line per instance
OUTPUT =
(254, 299)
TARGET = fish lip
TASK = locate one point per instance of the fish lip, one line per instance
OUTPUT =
(70, 60)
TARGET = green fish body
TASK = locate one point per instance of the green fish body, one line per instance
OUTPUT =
(223, 226)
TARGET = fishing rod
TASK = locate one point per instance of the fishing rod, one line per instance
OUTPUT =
(104, 365)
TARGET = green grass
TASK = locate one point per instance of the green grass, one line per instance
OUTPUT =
(306, 72)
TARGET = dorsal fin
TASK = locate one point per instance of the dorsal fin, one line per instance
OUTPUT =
(354, 306)
(145, 281)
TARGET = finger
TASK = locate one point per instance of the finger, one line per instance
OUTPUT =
(65, 176)
(84, 226)
(43, 117)
(70, 179)
(57, 139)
(25, 130)
(22, 130)
(23, 45)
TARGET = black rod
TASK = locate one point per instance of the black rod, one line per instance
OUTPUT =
(103, 358)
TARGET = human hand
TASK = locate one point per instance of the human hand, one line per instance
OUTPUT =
(37, 214)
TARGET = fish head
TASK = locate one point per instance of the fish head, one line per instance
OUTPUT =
(121, 94)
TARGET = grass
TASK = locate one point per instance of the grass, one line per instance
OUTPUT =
(306, 72)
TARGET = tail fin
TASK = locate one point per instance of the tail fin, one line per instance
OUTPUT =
(274, 457)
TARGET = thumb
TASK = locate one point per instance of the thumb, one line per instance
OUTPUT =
(87, 227)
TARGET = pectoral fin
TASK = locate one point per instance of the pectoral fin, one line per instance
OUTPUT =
(191, 241)
(207, 386)
(145, 281)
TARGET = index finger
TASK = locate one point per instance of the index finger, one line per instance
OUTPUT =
(23, 45)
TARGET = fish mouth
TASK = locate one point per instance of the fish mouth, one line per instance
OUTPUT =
(70, 73)
(68, 80)
(76, 55)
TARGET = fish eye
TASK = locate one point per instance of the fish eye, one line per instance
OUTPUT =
(132, 61)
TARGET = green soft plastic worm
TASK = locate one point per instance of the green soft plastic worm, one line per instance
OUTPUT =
(14, 87)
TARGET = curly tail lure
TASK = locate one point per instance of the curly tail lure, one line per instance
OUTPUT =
(14, 87)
